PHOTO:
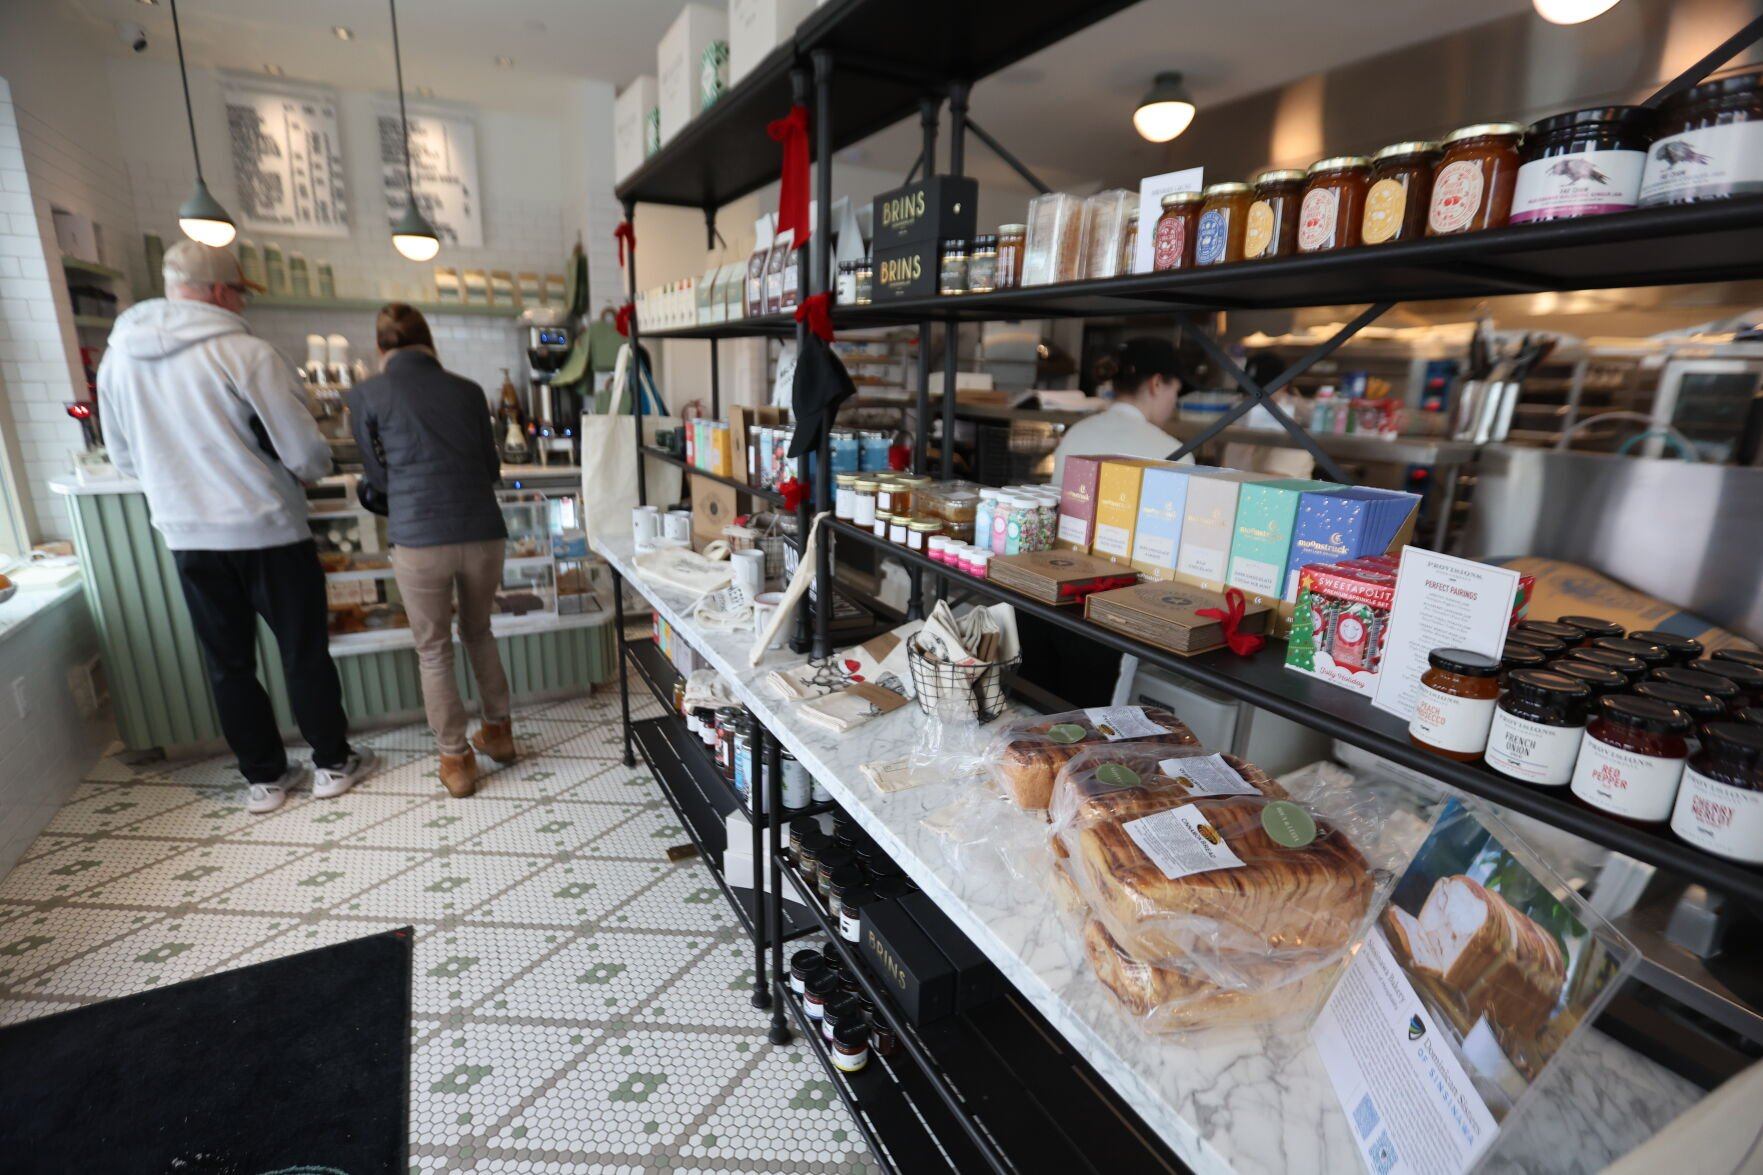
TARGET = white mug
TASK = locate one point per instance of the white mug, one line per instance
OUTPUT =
(749, 571)
(765, 606)
(645, 526)
(678, 525)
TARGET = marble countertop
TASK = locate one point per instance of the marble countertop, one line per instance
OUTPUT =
(1254, 1102)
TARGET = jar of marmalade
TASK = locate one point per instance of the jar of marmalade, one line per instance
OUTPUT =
(1679, 650)
(1224, 219)
(1537, 727)
(1472, 188)
(1456, 704)
(1633, 668)
(1632, 759)
(1648, 653)
(1600, 679)
(1401, 188)
(1591, 627)
(1720, 804)
(1333, 208)
(1703, 681)
(1273, 216)
(1172, 242)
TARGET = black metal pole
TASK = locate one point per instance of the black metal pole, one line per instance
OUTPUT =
(958, 92)
(821, 246)
(1713, 60)
(773, 784)
(929, 112)
(1015, 164)
(624, 681)
(636, 368)
(757, 812)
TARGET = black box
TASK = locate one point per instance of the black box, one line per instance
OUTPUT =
(976, 980)
(909, 965)
(934, 209)
(907, 271)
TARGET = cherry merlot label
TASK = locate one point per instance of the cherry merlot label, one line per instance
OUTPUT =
(1723, 819)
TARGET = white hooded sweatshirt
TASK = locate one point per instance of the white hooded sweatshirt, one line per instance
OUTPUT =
(214, 424)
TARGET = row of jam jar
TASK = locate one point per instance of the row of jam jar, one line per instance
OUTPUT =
(1705, 145)
(1662, 740)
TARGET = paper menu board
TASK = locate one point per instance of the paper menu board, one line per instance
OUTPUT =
(1441, 602)
(443, 163)
(1152, 189)
(287, 161)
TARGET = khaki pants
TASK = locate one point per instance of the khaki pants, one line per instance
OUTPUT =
(428, 577)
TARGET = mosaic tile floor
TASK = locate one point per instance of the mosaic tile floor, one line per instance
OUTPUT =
(580, 1004)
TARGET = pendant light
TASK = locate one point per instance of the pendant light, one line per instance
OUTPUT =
(201, 216)
(1164, 112)
(412, 236)
(1571, 11)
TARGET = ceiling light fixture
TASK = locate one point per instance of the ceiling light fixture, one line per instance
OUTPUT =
(342, 32)
(504, 63)
(200, 217)
(412, 236)
(1165, 111)
(1572, 11)
(149, 3)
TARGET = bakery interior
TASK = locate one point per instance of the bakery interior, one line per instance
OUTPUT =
(1207, 620)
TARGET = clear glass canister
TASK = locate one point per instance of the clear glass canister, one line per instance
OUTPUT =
(863, 494)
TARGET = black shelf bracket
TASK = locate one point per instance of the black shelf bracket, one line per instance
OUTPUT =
(1711, 61)
(1016, 165)
(624, 669)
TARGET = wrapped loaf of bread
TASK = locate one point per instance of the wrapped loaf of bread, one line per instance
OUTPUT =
(1025, 757)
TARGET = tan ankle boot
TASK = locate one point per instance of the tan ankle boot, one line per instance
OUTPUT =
(496, 739)
(459, 774)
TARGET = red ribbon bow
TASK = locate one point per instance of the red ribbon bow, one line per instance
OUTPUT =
(899, 457)
(793, 492)
(1242, 644)
(815, 312)
(792, 193)
(622, 319)
(625, 233)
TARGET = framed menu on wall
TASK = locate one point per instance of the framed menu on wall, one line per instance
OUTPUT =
(287, 160)
(443, 157)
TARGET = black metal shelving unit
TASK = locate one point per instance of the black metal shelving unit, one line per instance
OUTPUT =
(771, 496)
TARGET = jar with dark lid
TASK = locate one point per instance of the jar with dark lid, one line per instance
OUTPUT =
(1591, 626)
(1333, 209)
(1747, 677)
(1401, 189)
(1632, 668)
(982, 265)
(952, 267)
(848, 982)
(803, 966)
(1720, 806)
(1011, 239)
(1750, 657)
(850, 1052)
(728, 724)
(868, 853)
(882, 1039)
(1750, 714)
(831, 959)
(851, 906)
(844, 879)
(1273, 215)
(1646, 652)
(1632, 759)
(817, 989)
(1702, 707)
(1537, 727)
(832, 859)
(1600, 679)
(1224, 218)
(1582, 163)
(808, 850)
(1708, 144)
(1701, 680)
(1542, 642)
(893, 887)
(1456, 704)
(1172, 242)
(1519, 656)
(842, 1008)
(845, 829)
(1565, 633)
(1680, 649)
(1472, 186)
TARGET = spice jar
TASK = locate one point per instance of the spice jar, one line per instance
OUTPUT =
(1011, 239)
(845, 497)
(1537, 727)
(1700, 680)
(1172, 243)
(952, 268)
(1472, 187)
(1648, 653)
(882, 1040)
(804, 965)
(816, 990)
(919, 532)
(1720, 803)
(863, 496)
(1632, 668)
(1224, 218)
(1600, 679)
(1632, 758)
(851, 912)
(1582, 163)
(1679, 650)
(865, 282)
(840, 1009)
(1273, 215)
(897, 524)
(850, 1052)
(1456, 704)
(1400, 192)
(1541, 642)
(1129, 243)
(1708, 144)
(1334, 203)
(1591, 627)
(982, 265)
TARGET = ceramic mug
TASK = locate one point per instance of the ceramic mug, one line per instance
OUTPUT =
(645, 526)
(749, 570)
(678, 524)
(765, 606)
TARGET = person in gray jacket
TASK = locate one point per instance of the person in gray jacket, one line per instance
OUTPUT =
(215, 425)
(430, 454)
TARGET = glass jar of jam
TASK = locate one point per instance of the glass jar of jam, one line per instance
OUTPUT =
(982, 265)
(1720, 805)
(808, 852)
(1708, 144)
(1600, 679)
(832, 858)
(817, 989)
(1750, 657)
(804, 965)
(1648, 653)
(1679, 650)
(829, 956)
(1224, 218)
(1011, 239)
(1537, 727)
(1702, 707)
(919, 532)
(897, 528)
(883, 520)
(1632, 758)
(1472, 186)
(1519, 656)
(1172, 243)
(892, 496)
(1456, 704)
(1633, 668)
(1273, 215)
(728, 724)
(1540, 641)
(1582, 163)
(1333, 209)
(1703, 681)
(850, 1052)
(1591, 627)
(1565, 633)
(1401, 189)
(863, 499)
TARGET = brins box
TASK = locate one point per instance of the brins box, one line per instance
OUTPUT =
(917, 974)
(934, 209)
(905, 271)
(976, 980)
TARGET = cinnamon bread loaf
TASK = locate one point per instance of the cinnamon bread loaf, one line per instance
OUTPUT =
(1026, 756)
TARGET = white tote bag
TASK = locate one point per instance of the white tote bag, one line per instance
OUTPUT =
(609, 459)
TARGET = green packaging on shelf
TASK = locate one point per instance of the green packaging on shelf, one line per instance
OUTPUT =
(1262, 545)
(933, 209)
(976, 979)
(917, 974)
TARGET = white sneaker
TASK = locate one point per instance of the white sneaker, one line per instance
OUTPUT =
(330, 782)
(264, 798)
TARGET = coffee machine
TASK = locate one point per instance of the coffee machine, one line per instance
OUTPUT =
(555, 410)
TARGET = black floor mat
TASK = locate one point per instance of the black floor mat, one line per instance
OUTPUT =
(301, 1063)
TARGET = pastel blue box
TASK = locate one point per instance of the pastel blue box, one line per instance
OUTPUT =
(1163, 498)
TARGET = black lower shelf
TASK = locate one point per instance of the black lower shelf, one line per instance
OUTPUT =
(770, 496)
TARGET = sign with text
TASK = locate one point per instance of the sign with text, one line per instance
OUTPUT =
(443, 158)
(287, 161)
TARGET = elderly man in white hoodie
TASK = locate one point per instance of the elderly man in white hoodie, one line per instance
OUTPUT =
(214, 424)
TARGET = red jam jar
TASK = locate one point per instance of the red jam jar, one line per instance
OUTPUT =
(1680, 649)
(1720, 805)
(1591, 627)
(1538, 726)
(1456, 704)
(1632, 759)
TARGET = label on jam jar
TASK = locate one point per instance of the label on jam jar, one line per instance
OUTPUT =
(1719, 817)
(1588, 184)
(1456, 197)
(1316, 219)
(1167, 245)
(1531, 752)
(1258, 229)
(1451, 723)
(1385, 205)
(1705, 164)
(849, 925)
(1211, 237)
(1640, 787)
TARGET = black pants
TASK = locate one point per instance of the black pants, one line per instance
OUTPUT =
(226, 592)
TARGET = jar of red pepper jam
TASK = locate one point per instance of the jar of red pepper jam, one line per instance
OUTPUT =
(1456, 704)
(1680, 649)
(1632, 758)
(1720, 805)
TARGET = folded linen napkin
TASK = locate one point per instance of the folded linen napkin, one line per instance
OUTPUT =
(851, 707)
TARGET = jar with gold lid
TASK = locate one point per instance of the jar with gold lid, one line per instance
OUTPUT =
(1334, 203)
(1172, 242)
(1273, 215)
(1401, 189)
(893, 495)
(1472, 187)
(1224, 218)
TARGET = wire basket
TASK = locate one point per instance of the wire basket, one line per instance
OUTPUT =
(960, 693)
(775, 534)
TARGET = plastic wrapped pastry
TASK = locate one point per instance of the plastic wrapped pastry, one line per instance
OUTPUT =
(1054, 250)
(1025, 756)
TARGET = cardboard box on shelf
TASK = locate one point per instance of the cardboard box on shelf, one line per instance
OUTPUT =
(679, 64)
(1163, 497)
(756, 27)
(714, 506)
(1166, 614)
(1058, 576)
(1261, 546)
(631, 114)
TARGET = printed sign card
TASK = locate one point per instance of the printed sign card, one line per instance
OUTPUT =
(1441, 602)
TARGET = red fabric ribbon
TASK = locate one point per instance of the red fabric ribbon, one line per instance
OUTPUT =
(1243, 644)
(794, 493)
(625, 233)
(792, 195)
(815, 312)
(622, 319)
(899, 457)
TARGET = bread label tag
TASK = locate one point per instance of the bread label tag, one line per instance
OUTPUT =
(1117, 775)
(1181, 842)
(1122, 722)
(1065, 733)
(1207, 775)
(1287, 824)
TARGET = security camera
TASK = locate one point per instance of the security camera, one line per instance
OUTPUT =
(132, 35)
